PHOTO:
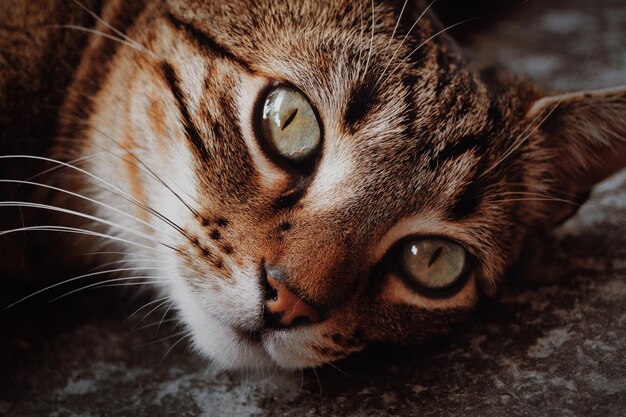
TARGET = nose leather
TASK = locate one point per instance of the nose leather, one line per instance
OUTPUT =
(290, 309)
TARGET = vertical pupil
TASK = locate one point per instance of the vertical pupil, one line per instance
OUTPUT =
(436, 254)
(289, 119)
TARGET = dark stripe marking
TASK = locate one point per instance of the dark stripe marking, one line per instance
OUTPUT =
(173, 82)
(207, 42)
(99, 65)
(410, 113)
(477, 143)
(468, 201)
(362, 99)
(289, 199)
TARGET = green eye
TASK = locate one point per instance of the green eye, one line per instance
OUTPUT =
(289, 124)
(433, 264)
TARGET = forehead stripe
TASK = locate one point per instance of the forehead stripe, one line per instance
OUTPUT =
(477, 144)
(207, 43)
(173, 82)
(362, 99)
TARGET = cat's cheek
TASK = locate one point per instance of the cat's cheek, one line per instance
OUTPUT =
(395, 291)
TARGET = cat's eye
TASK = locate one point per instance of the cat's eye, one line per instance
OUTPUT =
(432, 265)
(289, 124)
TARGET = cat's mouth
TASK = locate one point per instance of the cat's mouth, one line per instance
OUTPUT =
(252, 337)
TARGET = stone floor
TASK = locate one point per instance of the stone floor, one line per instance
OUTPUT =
(552, 343)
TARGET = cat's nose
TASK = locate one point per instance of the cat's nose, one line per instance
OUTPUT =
(285, 309)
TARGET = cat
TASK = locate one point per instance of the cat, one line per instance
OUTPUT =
(302, 179)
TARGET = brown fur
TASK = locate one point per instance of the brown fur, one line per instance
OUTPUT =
(429, 144)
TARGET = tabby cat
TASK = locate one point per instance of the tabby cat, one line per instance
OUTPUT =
(300, 179)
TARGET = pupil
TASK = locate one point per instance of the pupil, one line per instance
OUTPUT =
(436, 254)
(289, 119)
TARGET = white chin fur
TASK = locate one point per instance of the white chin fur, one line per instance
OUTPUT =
(228, 350)
(215, 340)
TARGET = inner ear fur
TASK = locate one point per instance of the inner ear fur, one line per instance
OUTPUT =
(584, 138)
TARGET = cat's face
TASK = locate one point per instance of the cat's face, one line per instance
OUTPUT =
(329, 185)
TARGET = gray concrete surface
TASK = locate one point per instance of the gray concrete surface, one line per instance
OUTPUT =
(552, 343)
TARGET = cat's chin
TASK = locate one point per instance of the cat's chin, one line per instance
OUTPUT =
(231, 349)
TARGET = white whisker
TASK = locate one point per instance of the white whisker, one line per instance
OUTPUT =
(151, 280)
(146, 305)
(163, 339)
(360, 37)
(131, 259)
(96, 32)
(161, 304)
(173, 346)
(66, 229)
(144, 168)
(519, 141)
(117, 31)
(67, 281)
(123, 195)
(402, 42)
(147, 326)
(369, 54)
(91, 200)
(74, 162)
(421, 45)
(164, 315)
(84, 216)
(393, 34)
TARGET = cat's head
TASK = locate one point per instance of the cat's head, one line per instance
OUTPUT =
(331, 173)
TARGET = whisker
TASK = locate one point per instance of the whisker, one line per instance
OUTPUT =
(143, 167)
(519, 141)
(67, 281)
(130, 198)
(116, 31)
(130, 259)
(155, 309)
(360, 37)
(74, 162)
(103, 253)
(396, 26)
(341, 370)
(402, 42)
(420, 46)
(560, 200)
(147, 326)
(173, 346)
(532, 123)
(151, 280)
(83, 197)
(162, 339)
(164, 315)
(82, 215)
(66, 229)
(132, 284)
(369, 54)
(321, 395)
(301, 384)
(146, 305)
(107, 36)
(55, 161)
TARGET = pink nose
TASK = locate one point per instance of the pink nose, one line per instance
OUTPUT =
(286, 309)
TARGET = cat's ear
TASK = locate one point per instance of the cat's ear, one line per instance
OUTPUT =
(584, 137)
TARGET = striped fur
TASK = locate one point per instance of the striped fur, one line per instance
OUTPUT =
(416, 141)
